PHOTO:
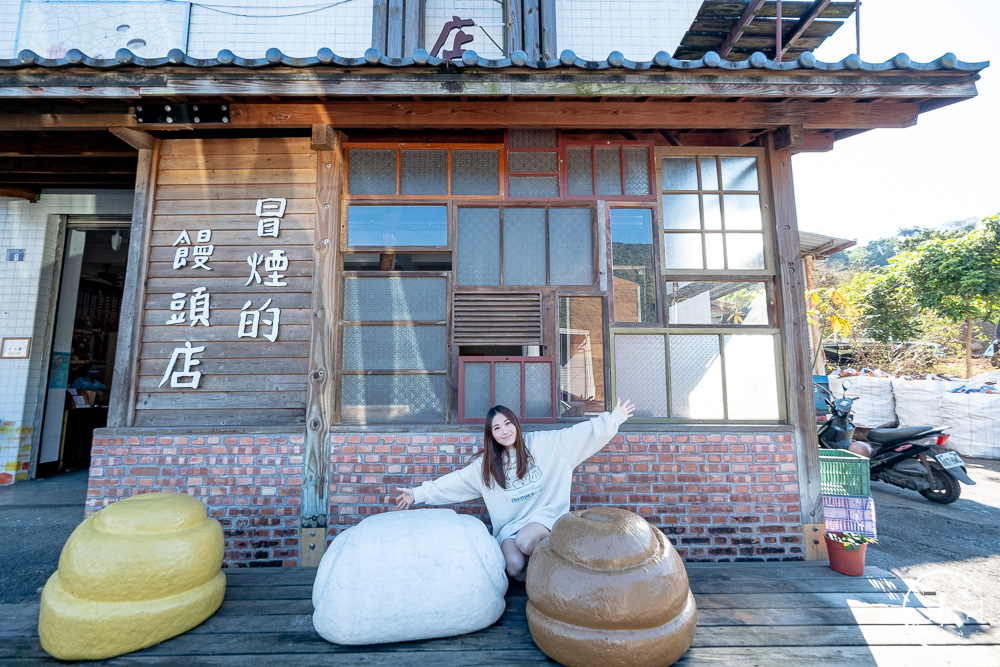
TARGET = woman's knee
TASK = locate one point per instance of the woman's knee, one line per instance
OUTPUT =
(528, 539)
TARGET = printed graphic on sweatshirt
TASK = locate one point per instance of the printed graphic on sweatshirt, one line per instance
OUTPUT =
(519, 486)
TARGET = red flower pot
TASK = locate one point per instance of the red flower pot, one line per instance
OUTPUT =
(844, 561)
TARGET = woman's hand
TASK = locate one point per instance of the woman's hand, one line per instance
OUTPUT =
(404, 499)
(627, 408)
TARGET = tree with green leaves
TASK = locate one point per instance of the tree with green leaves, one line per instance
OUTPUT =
(958, 278)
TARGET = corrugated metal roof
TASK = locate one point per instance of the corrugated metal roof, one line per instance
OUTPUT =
(568, 59)
(820, 245)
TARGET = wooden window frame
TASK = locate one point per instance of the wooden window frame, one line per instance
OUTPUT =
(767, 211)
(622, 144)
(773, 332)
(547, 205)
(658, 294)
(399, 147)
(342, 324)
(462, 418)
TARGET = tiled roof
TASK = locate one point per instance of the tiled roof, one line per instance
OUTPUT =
(568, 59)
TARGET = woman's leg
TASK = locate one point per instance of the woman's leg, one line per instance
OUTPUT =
(513, 557)
(516, 550)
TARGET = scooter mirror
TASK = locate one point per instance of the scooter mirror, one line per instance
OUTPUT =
(846, 385)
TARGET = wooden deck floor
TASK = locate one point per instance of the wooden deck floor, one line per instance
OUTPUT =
(748, 614)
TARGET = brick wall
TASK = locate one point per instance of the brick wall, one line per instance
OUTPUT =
(718, 497)
(250, 483)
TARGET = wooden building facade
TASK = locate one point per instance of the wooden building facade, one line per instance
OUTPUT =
(336, 265)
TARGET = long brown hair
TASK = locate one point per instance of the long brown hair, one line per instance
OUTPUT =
(495, 454)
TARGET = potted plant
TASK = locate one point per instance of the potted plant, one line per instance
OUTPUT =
(847, 552)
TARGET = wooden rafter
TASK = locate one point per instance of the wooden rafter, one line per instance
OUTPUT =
(749, 14)
(802, 25)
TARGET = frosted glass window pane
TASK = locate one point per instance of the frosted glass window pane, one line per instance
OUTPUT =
(532, 139)
(524, 246)
(743, 212)
(372, 171)
(709, 174)
(739, 173)
(478, 240)
(641, 373)
(579, 171)
(609, 171)
(715, 254)
(725, 303)
(476, 389)
(387, 299)
(636, 171)
(681, 212)
(507, 386)
(713, 212)
(537, 390)
(751, 378)
(745, 251)
(402, 347)
(696, 377)
(397, 225)
(571, 259)
(683, 251)
(534, 186)
(424, 172)
(580, 345)
(392, 398)
(520, 162)
(632, 265)
(678, 173)
(475, 172)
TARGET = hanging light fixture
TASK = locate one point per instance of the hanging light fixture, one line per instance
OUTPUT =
(116, 241)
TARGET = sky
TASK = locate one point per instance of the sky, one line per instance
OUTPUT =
(943, 169)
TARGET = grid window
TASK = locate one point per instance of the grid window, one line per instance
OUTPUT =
(713, 214)
(540, 246)
(394, 348)
(608, 172)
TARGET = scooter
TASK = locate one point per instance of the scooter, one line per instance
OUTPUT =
(913, 457)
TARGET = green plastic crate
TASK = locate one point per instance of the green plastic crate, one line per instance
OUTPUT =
(844, 473)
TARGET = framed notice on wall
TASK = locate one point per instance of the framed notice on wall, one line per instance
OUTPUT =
(15, 348)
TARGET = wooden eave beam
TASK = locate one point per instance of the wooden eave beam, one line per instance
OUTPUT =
(802, 25)
(582, 115)
(741, 24)
(19, 193)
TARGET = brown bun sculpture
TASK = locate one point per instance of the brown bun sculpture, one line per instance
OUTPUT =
(607, 588)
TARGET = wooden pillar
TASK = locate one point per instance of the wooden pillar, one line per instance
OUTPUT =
(121, 405)
(791, 287)
(330, 184)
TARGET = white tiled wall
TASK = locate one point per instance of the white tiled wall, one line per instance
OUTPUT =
(152, 27)
(26, 293)
(298, 27)
(637, 28)
(591, 28)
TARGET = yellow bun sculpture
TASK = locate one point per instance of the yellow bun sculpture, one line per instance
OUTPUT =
(138, 572)
(607, 588)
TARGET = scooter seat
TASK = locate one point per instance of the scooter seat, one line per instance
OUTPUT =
(884, 435)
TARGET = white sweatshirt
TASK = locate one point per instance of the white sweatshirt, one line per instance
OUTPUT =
(542, 495)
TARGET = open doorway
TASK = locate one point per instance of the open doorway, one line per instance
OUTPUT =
(84, 342)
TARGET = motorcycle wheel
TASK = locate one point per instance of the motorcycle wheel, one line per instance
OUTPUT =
(946, 488)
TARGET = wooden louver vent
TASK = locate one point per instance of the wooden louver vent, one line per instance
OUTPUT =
(498, 319)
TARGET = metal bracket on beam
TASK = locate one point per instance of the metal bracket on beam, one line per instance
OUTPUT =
(185, 114)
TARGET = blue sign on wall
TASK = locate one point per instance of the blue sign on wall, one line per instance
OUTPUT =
(15, 254)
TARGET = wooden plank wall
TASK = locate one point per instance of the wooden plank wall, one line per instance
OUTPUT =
(214, 184)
